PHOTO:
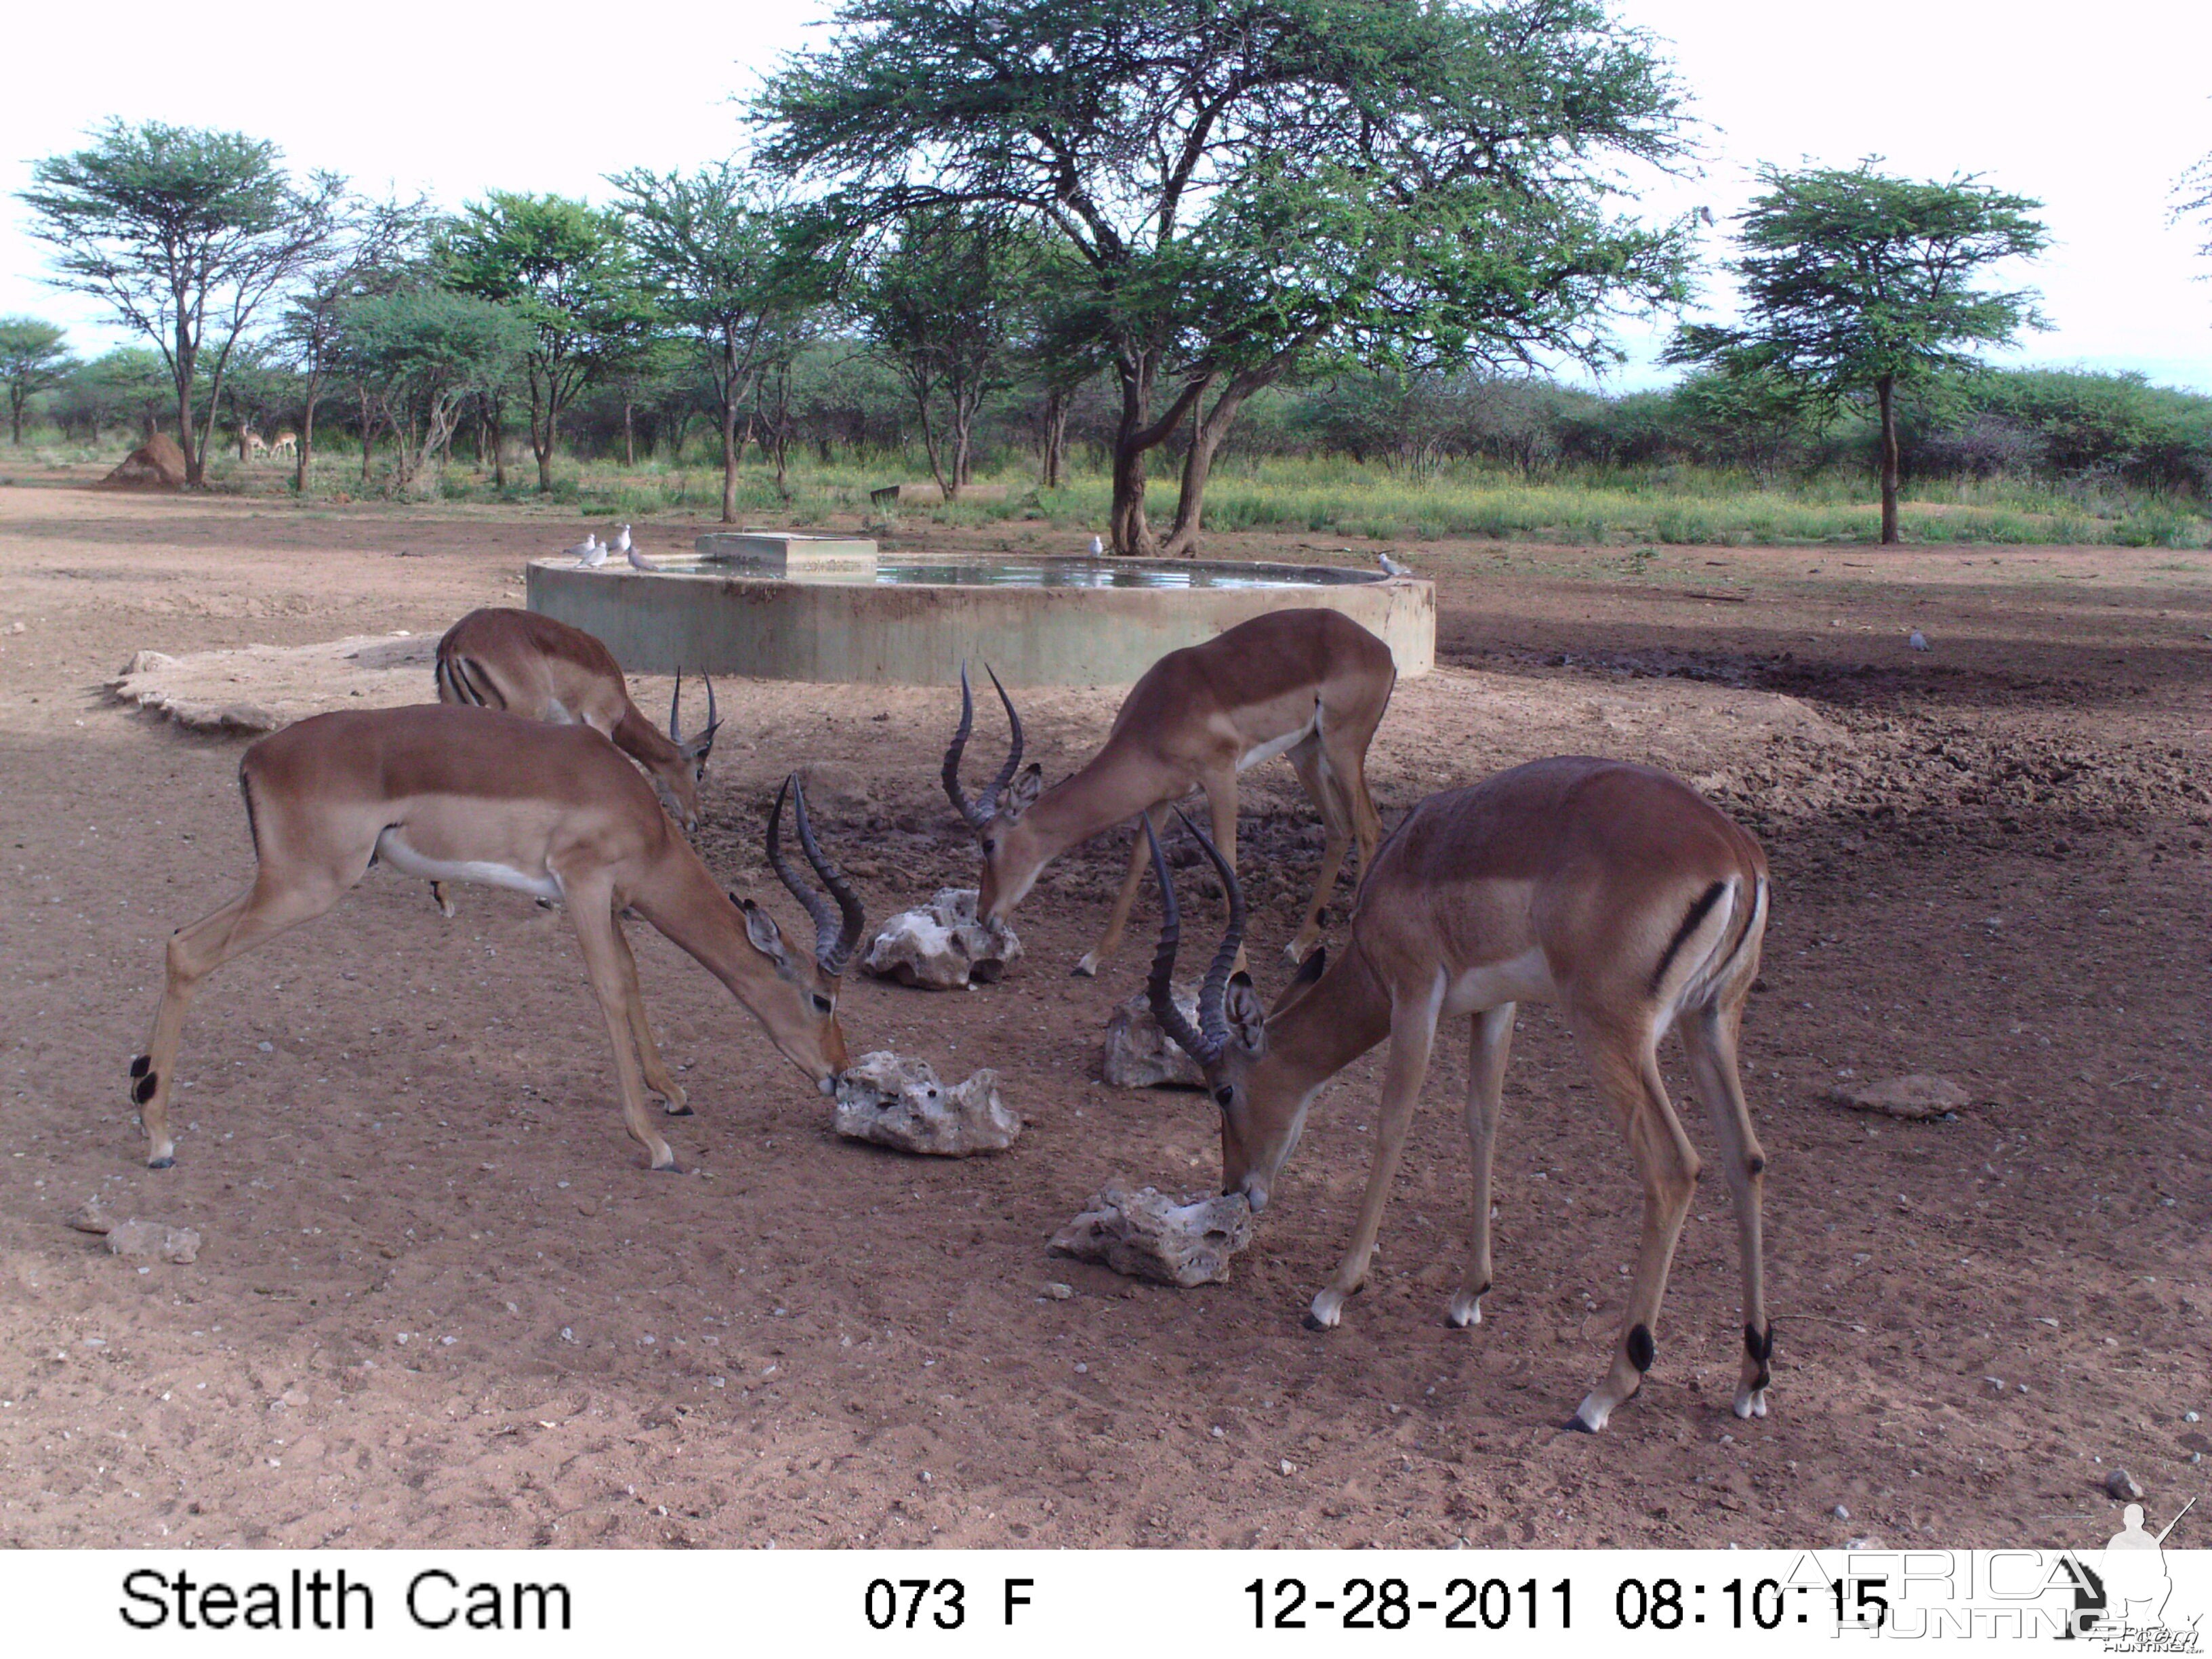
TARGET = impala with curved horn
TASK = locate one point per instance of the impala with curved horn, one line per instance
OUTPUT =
(544, 669)
(470, 794)
(1615, 890)
(1309, 685)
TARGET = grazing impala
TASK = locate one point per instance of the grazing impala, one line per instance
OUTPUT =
(286, 442)
(1309, 685)
(542, 670)
(470, 794)
(1615, 890)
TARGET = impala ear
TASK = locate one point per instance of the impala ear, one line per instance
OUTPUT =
(1024, 793)
(1248, 1020)
(767, 937)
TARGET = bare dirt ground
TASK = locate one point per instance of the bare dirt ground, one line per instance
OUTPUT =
(440, 1302)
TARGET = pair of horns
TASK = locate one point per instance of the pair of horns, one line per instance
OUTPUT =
(706, 737)
(1206, 1044)
(837, 932)
(981, 813)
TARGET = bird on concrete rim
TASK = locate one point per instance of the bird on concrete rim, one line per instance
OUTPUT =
(1097, 547)
(637, 560)
(1392, 566)
(621, 542)
(590, 551)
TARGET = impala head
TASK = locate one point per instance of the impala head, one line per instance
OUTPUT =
(1262, 1107)
(800, 1008)
(1012, 852)
(678, 781)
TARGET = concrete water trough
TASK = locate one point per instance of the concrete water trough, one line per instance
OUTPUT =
(781, 607)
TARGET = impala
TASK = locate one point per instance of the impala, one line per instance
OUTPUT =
(471, 794)
(286, 442)
(1309, 685)
(1613, 890)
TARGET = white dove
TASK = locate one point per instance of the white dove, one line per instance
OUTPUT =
(1097, 547)
(1392, 566)
(621, 542)
(589, 551)
(637, 560)
(1917, 640)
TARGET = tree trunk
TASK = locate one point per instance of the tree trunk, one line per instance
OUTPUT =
(729, 447)
(1055, 435)
(307, 450)
(15, 413)
(1207, 434)
(1885, 390)
(368, 436)
(544, 450)
(195, 453)
(629, 436)
(1127, 532)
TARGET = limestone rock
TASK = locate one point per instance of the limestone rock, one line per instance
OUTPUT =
(90, 1217)
(942, 947)
(157, 463)
(1141, 1055)
(152, 1238)
(1914, 1096)
(895, 1102)
(1145, 1233)
(2123, 1488)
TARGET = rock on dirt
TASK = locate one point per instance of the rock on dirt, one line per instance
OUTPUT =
(260, 688)
(90, 1217)
(153, 1238)
(1141, 1055)
(1145, 1233)
(942, 946)
(895, 1102)
(2122, 1487)
(1913, 1097)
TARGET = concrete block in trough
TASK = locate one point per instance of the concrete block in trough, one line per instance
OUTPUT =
(1141, 1055)
(895, 1102)
(1145, 1233)
(942, 946)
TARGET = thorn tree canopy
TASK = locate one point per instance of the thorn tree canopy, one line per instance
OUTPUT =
(184, 232)
(714, 247)
(1856, 284)
(32, 359)
(1253, 183)
(565, 268)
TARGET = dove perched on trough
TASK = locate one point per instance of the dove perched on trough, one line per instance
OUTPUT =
(621, 542)
(590, 550)
(1097, 547)
(1393, 566)
(637, 560)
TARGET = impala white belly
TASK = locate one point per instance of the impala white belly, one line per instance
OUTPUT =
(1524, 978)
(1274, 746)
(395, 852)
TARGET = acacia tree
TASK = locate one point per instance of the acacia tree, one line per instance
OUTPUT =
(186, 233)
(1246, 184)
(713, 246)
(943, 303)
(373, 248)
(564, 269)
(32, 359)
(1857, 285)
(2192, 198)
(424, 353)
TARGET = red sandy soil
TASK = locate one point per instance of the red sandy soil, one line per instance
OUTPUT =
(440, 1302)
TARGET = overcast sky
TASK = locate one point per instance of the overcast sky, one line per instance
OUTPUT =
(2095, 117)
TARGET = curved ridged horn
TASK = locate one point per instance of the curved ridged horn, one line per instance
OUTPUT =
(1211, 1019)
(825, 917)
(855, 919)
(1159, 989)
(705, 737)
(980, 813)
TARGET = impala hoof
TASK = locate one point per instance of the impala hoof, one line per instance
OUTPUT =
(1327, 1310)
(1575, 1425)
(160, 1163)
(1465, 1312)
(1750, 1403)
(1085, 967)
(670, 1168)
(677, 1108)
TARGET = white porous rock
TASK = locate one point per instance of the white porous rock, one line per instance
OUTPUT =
(1145, 1233)
(1141, 1055)
(1913, 1097)
(153, 1238)
(942, 947)
(895, 1102)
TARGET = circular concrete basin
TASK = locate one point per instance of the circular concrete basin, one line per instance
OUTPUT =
(901, 620)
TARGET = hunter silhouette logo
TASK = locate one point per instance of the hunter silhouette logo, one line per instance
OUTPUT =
(2125, 1593)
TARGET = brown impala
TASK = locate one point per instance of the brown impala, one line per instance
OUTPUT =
(1309, 685)
(470, 795)
(542, 670)
(1615, 890)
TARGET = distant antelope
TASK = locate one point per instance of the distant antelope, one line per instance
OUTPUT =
(286, 442)
(1309, 685)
